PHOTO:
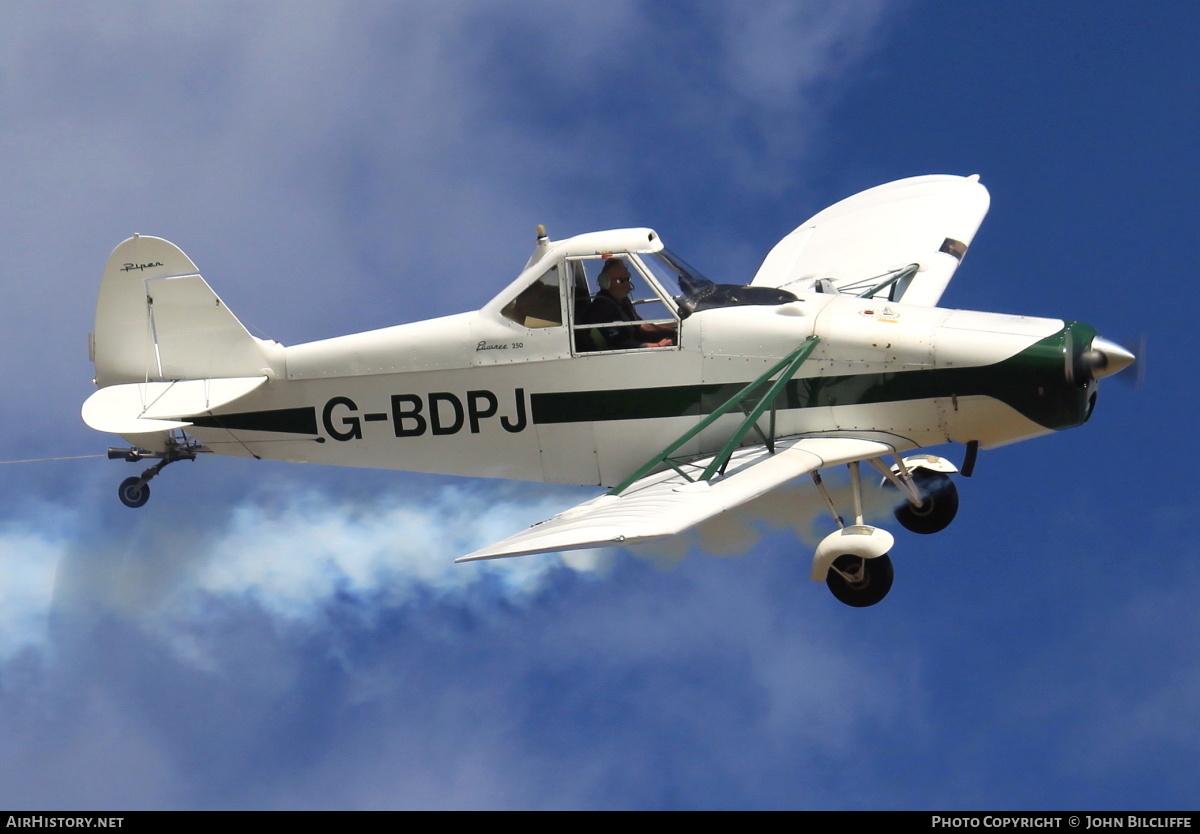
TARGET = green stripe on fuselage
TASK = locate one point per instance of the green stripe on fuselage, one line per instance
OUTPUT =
(283, 421)
(1032, 382)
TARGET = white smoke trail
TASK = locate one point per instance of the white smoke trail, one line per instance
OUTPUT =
(295, 552)
(291, 553)
(294, 557)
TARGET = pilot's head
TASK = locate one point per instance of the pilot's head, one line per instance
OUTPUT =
(614, 278)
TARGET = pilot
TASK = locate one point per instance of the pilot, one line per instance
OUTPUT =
(612, 304)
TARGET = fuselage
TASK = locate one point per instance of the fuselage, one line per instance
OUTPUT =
(479, 394)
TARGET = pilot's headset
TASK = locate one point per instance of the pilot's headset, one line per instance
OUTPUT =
(605, 277)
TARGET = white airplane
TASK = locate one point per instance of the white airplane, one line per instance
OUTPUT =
(701, 397)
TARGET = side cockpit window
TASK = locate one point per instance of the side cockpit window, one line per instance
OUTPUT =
(617, 307)
(539, 304)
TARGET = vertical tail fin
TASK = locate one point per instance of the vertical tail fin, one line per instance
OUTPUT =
(157, 320)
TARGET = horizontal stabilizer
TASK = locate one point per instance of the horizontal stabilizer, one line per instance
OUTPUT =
(142, 407)
(667, 503)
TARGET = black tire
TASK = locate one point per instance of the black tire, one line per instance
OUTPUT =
(874, 586)
(133, 493)
(939, 506)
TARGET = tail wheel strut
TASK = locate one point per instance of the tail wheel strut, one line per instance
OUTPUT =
(135, 492)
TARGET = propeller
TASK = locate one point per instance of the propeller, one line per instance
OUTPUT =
(1138, 379)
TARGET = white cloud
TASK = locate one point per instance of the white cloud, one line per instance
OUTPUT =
(29, 559)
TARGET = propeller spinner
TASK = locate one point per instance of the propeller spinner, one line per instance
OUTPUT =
(1106, 357)
(1102, 358)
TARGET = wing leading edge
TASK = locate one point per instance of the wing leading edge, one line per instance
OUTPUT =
(667, 503)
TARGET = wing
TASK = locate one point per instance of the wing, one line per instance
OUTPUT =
(865, 244)
(667, 503)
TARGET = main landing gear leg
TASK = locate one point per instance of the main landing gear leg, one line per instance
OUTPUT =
(853, 561)
(135, 492)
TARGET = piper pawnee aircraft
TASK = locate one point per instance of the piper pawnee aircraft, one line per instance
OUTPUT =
(609, 361)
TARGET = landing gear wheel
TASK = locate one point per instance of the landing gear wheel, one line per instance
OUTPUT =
(133, 492)
(939, 503)
(860, 582)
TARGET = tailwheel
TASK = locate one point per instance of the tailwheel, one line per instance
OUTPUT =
(939, 503)
(133, 492)
(860, 582)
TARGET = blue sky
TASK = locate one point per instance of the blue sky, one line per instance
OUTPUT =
(273, 636)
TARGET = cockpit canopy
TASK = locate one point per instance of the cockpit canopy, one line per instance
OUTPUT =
(562, 278)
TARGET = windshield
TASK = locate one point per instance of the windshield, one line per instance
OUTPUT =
(694, 292)
(676, 277)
